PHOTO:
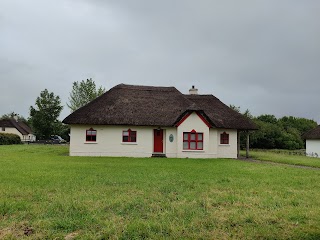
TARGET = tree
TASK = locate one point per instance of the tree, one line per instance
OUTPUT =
(44, 117)
(234, 107)
(268, 118)
(82, 93)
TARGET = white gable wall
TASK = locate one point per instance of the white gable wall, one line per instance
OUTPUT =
(193, 122)
(313, 147)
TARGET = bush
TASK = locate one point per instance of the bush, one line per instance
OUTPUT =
(9, 139)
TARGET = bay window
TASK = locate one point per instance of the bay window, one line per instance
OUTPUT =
(192, 140)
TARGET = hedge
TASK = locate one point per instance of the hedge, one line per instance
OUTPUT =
(9, 139)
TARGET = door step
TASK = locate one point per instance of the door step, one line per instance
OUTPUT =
(159, 155)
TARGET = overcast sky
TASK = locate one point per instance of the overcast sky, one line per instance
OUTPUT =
(261, 55)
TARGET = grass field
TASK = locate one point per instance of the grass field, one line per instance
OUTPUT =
(284, 156)
(44, 194)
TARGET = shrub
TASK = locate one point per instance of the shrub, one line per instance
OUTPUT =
(9, 139)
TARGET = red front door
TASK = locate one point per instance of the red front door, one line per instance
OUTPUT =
(158, 140)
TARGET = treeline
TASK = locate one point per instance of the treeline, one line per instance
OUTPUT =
(277, 133)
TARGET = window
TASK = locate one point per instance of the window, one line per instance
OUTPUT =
(192, 140)
(3, 129)
(91, 135)
(129, 136)
(224, 138)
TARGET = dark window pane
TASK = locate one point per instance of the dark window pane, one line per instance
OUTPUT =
(185, 136)
(125, 139)
(192, 136)
(192, 145)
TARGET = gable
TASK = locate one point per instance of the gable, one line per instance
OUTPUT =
(193, 118)
(193, 121)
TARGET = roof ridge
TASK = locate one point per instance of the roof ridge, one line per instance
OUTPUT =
(122, 85)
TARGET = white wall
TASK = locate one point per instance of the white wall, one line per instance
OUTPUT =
(109, 141)
(227, 150)
(12, 130)
(313, 147)
(170, 147)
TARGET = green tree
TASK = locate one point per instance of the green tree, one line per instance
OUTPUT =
(234, 107)
(44, 116)
(268, 118)
(301, 124)
(82, 93)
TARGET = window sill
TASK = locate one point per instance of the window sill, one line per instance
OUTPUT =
(129, 143)
(227, 145)
(193, 150)
(90, 142)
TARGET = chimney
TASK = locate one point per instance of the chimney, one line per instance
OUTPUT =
(15, 117)
(193, 91)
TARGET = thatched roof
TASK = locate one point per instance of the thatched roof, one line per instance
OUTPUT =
(312, 134)
(154, 106)
(22, 127)
(220, 115)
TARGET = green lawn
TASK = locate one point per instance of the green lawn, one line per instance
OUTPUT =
(44, 194)
(284, 156)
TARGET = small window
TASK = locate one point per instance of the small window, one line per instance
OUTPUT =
(224, 138)
(192, 140)
(129, 136)
(3, 129)
(91, 135)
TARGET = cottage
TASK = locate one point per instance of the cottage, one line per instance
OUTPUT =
(144, 121)
(17, 127)
(312, 138)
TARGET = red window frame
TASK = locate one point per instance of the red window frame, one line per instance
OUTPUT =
(192, 140)
(129, 136)
(91, 135)
(224, 138)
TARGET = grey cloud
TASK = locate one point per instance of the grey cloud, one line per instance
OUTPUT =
(261, 55)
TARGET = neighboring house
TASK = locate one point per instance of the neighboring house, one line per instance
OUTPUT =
(144, 121)
(312, 138)
(17, 127)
